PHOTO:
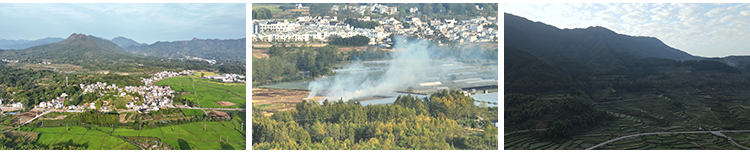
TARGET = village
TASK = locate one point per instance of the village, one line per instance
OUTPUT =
(307, 28)
(151, 97)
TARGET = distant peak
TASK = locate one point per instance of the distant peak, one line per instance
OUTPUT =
(78, 35)
(194, 39)
(600, 28)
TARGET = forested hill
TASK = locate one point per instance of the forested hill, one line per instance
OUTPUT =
(76, 49)
(593, 46)
(215, 49)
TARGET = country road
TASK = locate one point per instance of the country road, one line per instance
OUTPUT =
(522, 131)
(685, 132)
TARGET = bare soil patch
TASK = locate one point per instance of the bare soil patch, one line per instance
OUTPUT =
(218, 114)
(122, 118)
(277, 99)
(260, 53)
(225, 103)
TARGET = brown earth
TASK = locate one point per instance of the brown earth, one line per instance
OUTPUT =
(225, 103)
(122, 118)
(23, 117)
(218, 114)
(260, 53)
(285, 98)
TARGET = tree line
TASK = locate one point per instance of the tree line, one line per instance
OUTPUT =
(410, 123)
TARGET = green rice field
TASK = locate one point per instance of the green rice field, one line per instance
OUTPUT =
(212, 135)
(207, 92)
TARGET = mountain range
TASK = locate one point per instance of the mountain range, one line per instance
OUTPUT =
(23, 44)
(126, 42)
(95, 53)
(596, 47)
(216, 49)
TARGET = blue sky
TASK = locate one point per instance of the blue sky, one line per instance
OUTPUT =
(145, 23)
(709, 30)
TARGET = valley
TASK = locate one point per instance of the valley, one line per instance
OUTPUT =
(609, 91)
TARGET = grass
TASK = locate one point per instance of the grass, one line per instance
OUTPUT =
(207, 92)
(193, 112)
(125, 132)
(187, 136)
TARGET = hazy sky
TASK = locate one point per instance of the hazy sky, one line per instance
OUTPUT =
(709, 30)
(145, 23)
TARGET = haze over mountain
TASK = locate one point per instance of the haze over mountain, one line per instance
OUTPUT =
(126, 42)
(216, 49)
(23, 44)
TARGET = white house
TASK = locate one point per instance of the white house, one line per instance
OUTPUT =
(17, 105)
(92, 106)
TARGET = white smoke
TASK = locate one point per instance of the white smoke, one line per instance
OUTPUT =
(411, 64)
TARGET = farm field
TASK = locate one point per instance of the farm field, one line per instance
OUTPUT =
(217, 135)
(91, 138)
(209, 93)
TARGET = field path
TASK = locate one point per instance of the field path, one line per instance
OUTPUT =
(162, 133)
(660, 133)
(117, 145)
(100, 145)
(84, 135)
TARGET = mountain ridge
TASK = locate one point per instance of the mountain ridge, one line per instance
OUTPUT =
(584, 44)
(23, 44)
(217, 49)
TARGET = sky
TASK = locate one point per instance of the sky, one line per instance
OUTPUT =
(708, 30)
(142, 22)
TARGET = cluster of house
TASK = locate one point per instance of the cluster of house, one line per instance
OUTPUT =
(320, 28)
(10, 61)
(228, 77)
(212, 62)
(311, 28)
(472, 30)
(58, 103)
(16, 104)
(153, 97)
(362, 9)
(44, 63)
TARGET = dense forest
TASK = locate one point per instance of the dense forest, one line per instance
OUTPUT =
(362, 24)
(262, 13)
(409, 123)
(30, 87)
(357, 40)
(284, 63)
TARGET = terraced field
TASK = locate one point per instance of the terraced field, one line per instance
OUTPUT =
(654, 114)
